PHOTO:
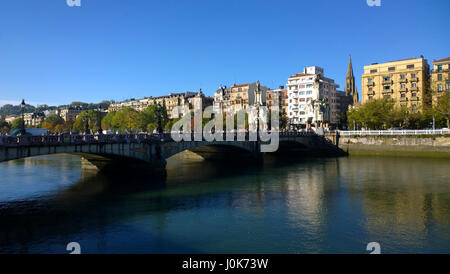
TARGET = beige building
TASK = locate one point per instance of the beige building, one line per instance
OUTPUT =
(33, 119)
(237, 97)
(171, 101)
(69, 113)
(278, 96)
(405, 81)
(440, 78)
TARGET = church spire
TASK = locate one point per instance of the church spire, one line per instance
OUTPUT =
(350, 68)
(350, 85)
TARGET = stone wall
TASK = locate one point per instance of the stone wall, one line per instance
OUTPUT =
(431, 145)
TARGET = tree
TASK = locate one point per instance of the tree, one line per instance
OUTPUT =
(90, 117)
(4, 127)
(441, 110)
(16, 124)
(125, 120)
(51, 122)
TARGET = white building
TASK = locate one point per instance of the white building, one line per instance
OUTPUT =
(312, 98)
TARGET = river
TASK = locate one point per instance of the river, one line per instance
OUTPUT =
(316, 205)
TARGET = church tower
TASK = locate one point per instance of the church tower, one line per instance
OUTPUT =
(350, 86)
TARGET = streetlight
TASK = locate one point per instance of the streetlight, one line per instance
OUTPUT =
(22, 126)
(99, 120)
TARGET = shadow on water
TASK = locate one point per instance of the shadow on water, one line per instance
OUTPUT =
(98, 200)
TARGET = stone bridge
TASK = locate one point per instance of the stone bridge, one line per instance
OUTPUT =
(151, 150)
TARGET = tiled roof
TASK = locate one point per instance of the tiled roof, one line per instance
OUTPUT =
(442, 60)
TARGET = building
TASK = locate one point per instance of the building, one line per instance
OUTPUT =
(440, 79)
(33, 119)
(405, 81)
(170, 101)
(10, 118)
(279, 97)
(237, 97)
(312, 99)
(69, 113)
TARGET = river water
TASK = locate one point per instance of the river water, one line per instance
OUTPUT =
(319, 205)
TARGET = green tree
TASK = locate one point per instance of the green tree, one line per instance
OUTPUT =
(52, 122)
(91, 117)
(16, 124)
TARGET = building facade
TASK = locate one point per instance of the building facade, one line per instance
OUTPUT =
(440, 79)
(312, 99)
(278, 97)
(33, 119)
(406, 81)
(170, 101)
(70, 113)
(237, 97)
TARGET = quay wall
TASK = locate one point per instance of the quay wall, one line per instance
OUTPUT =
(410, 145)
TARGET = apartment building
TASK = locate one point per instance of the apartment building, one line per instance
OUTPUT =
(405, 81)
(237, 97)
(70, 113)
(170, 101)
(33, 119)
(278, 97)
(312, 98)
(440, 79)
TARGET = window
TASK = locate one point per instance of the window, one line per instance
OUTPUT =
(370, 80)
(309, 86)
(308, 92)
(403, 86)
(370, 97)
(410, 66)
(374, 71)
(370, 89)
(387, 87)
(439, 77)
(402, 76)
(439, 68)
(403, 95)
(413, 94)
(239, 89)
(447, 86)
(413, 85)
(387, 78)
(440, 87)
(413, 75)
(414, 108)
(391, 69)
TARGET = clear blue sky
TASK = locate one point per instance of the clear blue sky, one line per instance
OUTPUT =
(118, 49)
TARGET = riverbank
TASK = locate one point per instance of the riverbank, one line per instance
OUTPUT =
(415, 145)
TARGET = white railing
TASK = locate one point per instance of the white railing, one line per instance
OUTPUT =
(393, 132)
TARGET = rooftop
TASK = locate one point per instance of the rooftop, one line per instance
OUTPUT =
(441, 60)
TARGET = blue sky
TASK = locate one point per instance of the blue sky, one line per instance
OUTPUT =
(117, 49)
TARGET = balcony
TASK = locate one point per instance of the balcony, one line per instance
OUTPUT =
(388, 82)
(371, 93)
(414, 89)
(414, 99)
(403, 99)
(388, 91)
(403, 90)
(371, 84)
(403, 81)
(414, 80)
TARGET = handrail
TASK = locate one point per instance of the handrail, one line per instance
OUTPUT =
(80, 139)
(393, 132)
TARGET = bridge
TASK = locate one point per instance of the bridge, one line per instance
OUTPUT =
(150, 151)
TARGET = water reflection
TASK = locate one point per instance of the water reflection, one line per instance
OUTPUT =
(313, 206)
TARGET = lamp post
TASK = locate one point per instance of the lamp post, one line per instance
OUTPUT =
(86, 126)
(22, 126)
(99, 120)
(158, 116)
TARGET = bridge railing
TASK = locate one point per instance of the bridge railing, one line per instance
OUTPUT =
(75, 139)
(393, 132)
